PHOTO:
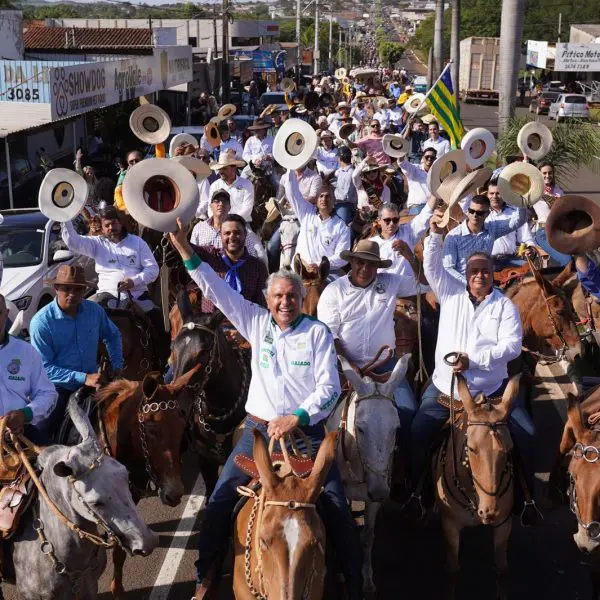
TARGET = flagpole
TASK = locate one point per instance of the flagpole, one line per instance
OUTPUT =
(425, 98)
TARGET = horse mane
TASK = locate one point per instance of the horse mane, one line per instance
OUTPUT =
(120, 389)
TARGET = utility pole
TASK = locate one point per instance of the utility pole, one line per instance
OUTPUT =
(438, 40)
(559, 26)
(330, 59)
(225, 59)
(298, 51)
(455, 48)
(350, 48)
(215, 29)
(340, 49)
(317, 53)
(430, 78)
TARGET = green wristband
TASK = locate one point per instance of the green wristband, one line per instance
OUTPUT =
(303, 416)
(28, 414)
(192, 263)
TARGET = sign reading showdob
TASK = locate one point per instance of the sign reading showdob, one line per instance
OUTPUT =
(577, 57)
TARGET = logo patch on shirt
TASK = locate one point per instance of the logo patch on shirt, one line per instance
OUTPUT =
(300, 363)
(14, 366)
(132, 260)
(268, 339)
(380, 288)
(300, 345)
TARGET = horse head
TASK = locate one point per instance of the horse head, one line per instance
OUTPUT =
(584, 445)
(289, 231)
(291, 541)
(94, 488)
(372, 423)
(488, 446)
(313, 282)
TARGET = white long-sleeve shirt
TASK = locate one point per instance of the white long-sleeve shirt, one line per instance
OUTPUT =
(23, 380)
(327, 160)
(490, 334)
(508, 244)
(362, 319)
(255, 148)
(361, 193)
(130, 258)
(241, 196)
(232, 144)
(441, 146)
(418, 190)
(292, 369)
(317, 237)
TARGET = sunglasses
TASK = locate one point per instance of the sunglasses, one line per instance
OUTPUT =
(429, 157)
(133, 161)
(375, 125)
(479, 213)
(394, 220)
(220, 200)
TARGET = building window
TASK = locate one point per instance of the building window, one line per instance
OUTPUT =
(193, 42)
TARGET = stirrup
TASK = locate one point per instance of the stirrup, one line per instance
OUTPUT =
(526, 504)
(419, 500)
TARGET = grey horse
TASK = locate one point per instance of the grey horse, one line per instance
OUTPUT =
(88, 487)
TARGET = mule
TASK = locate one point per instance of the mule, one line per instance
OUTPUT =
(473, 477)
(314, 283)
(368, 421)
(91, 490)
(279, 537)
(141, 424)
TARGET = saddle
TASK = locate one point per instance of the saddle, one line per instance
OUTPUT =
(300, 467)
(505, 276)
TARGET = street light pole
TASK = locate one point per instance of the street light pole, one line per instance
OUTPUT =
(299, 55)
(225, 60)
(330, 62)
(317, 54)
(340, 49)
(350, 47)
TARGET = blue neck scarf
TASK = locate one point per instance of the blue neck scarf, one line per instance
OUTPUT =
(232, 277)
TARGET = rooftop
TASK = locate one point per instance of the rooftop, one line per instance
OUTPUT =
(591, 29)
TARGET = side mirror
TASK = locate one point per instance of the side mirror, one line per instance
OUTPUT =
(62, 255)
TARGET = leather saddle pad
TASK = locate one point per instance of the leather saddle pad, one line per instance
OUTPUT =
(301, 467)
(14, 500)
(504, 276)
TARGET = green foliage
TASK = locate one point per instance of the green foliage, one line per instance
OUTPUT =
(6, 4)
(575, 145)
(390, 52)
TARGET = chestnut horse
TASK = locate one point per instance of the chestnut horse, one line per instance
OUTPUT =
(473, 476)
(279, 537)
(314, 283)
(141, 425)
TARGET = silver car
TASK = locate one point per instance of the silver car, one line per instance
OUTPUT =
(569, 106)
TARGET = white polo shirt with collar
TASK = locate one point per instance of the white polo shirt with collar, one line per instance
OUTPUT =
(241, 195)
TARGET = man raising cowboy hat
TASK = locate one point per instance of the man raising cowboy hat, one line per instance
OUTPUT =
(336, 120)
(240, 190)
(259, 147)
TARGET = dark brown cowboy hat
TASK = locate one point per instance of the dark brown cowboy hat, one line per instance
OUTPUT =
(71, 275)
(259, 124)
(366, 250)
(573, 225)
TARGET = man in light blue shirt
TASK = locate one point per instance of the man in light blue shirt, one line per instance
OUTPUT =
(67, 332)
(346, 196)
(475, 235)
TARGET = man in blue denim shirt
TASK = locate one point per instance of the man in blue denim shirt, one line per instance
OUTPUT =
(588, 274)
(66, 333)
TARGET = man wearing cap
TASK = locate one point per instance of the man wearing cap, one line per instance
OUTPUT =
(27, 398)
(294, 383)
(327, 155)
(474, 234)
(359, 310)
(66, 333)
(208, 233)
(322, 232)
(240, 190)
(440, 144)
(418, 190)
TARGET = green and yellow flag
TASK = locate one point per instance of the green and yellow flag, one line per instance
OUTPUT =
(442, 104)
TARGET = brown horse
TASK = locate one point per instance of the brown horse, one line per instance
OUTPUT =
(263, 190)
(314, 283)
(473, 476)
(279, 537)
(141, 425)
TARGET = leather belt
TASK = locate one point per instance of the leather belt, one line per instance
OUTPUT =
(258, 419)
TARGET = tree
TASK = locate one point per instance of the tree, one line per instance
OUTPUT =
(390, 53)
(438, 41)
(510, 49)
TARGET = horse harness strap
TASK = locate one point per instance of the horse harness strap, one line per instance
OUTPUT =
(590, 454)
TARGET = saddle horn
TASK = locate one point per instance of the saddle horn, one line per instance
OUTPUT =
(573, 225)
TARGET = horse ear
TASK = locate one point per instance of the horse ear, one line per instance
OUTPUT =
(564, 275)
(324, 268)
(575, 417)
(150, 384)
(185, 306)
(262, 459)
(81, 420)
(298, 266)
(324, 459)
(464, 393)
(510, 392)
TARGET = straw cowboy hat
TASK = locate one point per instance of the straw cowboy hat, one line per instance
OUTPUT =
(534, 140)
(521, 184)
(395, 145)
(452, 162)
(412, 104)
(259, 124)
(197, 166)
(346, 130)
(227, 110)
(428, 119)
(183, 186)
(478, 145)
(227, 159)
(287, 85)
(181, 139)
(62, 195)
(73, 275)
(150, 123)
(340, 73)
(366, 250)
(342, 105)
(295, 144)
(573, 225)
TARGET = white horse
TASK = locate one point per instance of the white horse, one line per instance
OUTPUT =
(367, 421)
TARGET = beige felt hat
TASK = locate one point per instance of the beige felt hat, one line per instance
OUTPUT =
(478, 145)
(62, 195)
(197, 166)
(295, 144)
(212, 135)
(150, 123)
(452, 162)
(181, 139)
(534, 140)
(395, 145)
(226, 111)
(521, 184)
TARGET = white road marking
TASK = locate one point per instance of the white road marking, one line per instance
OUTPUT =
(170, 565)
(291, 532)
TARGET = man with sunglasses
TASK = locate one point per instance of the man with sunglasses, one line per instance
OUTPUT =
(418, 190)
(133, 158)
(475, 235)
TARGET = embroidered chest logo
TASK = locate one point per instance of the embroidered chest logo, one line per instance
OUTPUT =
(13, 368)
(380, 288)
(132, 260)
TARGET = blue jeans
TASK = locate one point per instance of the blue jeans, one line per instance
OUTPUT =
(345, 211)
(332, 505)
(542, 241)
(274, 250)
(431, 417)
(507, 261)
(416, 209)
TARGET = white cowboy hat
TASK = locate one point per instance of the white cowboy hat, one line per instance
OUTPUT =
(227, 110)
(197, 166)
(185, 191)
(412, 104)
(287, 85)
(342, 105)
(340, 73)
(452, 162)
(62, 195)
(180, 139)
(521, 184)
(534, 140)
(212, 135)
(227, 159)
(428, 119)
(150, 123)
(395, 145)
(294, 144)
(478, 145)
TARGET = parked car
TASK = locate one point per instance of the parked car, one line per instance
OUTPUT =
(540, 104)
(569, 106)
(272, 98)
(553, 86)
(32, 250)
(420, 84)
(25, 183)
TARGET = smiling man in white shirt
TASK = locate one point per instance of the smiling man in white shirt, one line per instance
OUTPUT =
(436, 141)
(418, 190)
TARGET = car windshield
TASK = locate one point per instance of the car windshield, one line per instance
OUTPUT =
(550, 96)
(21, 247)
(575, 99)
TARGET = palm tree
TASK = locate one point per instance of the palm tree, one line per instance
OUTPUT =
(438, 40)
(455, 47)
(511, 28)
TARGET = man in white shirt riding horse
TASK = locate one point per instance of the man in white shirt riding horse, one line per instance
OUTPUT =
(294, 383)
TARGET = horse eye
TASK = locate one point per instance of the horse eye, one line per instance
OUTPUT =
(360, 430)
(472, 450)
